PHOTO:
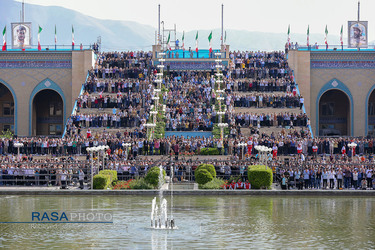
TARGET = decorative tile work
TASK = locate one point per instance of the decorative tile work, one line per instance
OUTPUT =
(333, 120)
(191, 65)
(342, 60)
(35, 64)
(35, 60)
(342, 64)
(7, 120)
(188, 134)
(371, 120)
(49, 120)
(42, 56)
(342, 56)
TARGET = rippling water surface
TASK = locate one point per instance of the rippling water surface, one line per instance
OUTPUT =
(204, 222)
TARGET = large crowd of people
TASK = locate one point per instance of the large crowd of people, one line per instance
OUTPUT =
(119, 95)
(191, 104)
(324, 172)
(283, 143)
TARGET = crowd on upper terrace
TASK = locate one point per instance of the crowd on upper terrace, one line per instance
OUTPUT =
(285, 142)
(190, 100)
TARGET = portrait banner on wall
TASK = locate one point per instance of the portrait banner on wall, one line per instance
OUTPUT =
(21, 35)
(357, 34)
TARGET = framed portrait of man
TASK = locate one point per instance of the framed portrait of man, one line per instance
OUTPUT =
(21, 35)
(357, 34)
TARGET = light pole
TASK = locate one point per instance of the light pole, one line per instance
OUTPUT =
(150, 126)
(18, 145)
(126, 146)
(155, 108)
(91, 150)
(103, 150)
(242, 145)
(352, 146)
(219, 80)
(262, 153)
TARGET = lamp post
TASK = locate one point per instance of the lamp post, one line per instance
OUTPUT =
(18, 145)
(154, 108)
(352, 146)
(103, 150)
(219, 92)
(222, 126)
(150, 126)
(126, 146)
(263, 150)
(242, 145)
(91, 150)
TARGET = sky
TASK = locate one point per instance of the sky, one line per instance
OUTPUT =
(271, 16)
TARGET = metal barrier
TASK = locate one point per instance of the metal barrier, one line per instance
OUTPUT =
(54, 173)
(43, 174)
(49, 174)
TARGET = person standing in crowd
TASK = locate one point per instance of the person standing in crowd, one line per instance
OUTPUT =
(63, 177)
(81, 177)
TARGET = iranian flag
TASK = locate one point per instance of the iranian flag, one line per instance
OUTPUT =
(342, 43)
(289, 35)
(39, 30)
(196, 43)
(325, 38)
(183, 41)
(210, 42)
(72, 37)
(55, 35)
(169, 38)
(4, 38)
(308, 35)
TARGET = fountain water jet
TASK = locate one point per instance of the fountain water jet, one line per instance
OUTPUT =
(159, 213)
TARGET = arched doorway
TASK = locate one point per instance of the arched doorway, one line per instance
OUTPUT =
(334, 113)
(6, 109)
(47, 111)
(371, 114)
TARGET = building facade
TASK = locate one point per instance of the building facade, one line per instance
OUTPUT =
(338, 89)
(38, 89)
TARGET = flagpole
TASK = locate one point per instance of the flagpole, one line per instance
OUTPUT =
(222, 23)
(4, 39)
(342, 42)
(73, 38)
(158, 42)
(326, 38)
(358, 22)
(55, 38)
(358, 9)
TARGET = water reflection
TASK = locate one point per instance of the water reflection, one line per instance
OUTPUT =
(204, 222)
(159, 239)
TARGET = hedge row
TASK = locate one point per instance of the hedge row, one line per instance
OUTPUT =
(102, 181)
(111, 173)
(209, 151)
(204, 173)
(152, 176)
(260, 176)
